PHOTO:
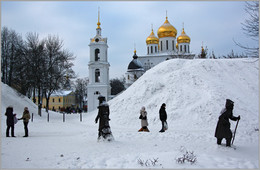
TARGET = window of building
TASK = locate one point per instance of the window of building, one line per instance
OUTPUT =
(53, 100)
(135, 77)
(161, 45)
(155, 49)
(151, 49)
(128, 77)
(96, 54)
(166, 44)
(181, 48)
(172, 44)
(147, 50)
(185, 48)
(97, 76)
(59, 100)
(96, 93)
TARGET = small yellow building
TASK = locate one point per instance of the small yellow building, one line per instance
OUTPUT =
(61, 100)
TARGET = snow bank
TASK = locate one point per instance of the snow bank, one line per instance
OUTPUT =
(194, 92)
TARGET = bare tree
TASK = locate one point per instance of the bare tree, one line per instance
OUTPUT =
(57, 64)
(81, 90)
(251, 27)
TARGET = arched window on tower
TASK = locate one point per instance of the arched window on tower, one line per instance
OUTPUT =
(161, 45)
(151, 49)
(135, 77)
(172, 44)
(155, 49)
(181, 48)
(96, 54)
(185, 48)
(166, 44)
(97, 76)
(147, 50)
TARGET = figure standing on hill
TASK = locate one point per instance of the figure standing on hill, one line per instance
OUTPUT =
(26, 117)
(223, 125)
(103, 117)
(9, 121)
(163, 117)
(144, 122)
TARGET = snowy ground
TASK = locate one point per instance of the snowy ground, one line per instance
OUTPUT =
(194, 92)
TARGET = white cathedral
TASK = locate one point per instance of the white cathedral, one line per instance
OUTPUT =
(98, 69)
(158, 50)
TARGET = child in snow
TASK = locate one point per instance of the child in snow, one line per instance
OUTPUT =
(223, 125)
(144, 122)
(9, 121)
(26, 117)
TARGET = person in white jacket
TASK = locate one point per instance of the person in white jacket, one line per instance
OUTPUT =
(144, 122)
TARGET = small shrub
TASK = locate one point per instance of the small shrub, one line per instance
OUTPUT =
(148, 163)
(188, 156)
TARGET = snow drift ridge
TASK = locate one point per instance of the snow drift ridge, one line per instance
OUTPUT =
(194, 92)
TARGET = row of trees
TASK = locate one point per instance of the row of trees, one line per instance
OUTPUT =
(34, 66)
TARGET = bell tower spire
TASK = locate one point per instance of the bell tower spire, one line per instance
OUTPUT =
(98, 24)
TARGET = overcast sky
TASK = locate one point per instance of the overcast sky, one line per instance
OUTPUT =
(125, 23)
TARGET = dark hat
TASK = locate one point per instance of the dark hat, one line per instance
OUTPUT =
(164, 104)
(229, 102)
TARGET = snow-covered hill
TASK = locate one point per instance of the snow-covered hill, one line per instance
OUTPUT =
(194, 92)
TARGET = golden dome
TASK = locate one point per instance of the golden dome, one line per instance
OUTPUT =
(166, 30)
(152, 39)
(183, 38)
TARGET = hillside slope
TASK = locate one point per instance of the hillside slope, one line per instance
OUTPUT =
(194, 92)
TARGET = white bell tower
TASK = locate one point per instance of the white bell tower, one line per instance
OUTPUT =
(98, 69)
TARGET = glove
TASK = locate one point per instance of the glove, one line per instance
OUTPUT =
(96, 120)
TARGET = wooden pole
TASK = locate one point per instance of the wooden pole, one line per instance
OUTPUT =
(235, 132)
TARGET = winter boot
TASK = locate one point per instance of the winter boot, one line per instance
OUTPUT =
(146, 130)
(140, 130)
(228, 140)
(162, 130)
(219, 141)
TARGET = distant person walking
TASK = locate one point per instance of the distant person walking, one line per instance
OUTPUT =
(144, 122)
(163, 117)
(26, 117)
(9, 121)
(223, 125)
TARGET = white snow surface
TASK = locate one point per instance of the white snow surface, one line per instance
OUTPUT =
(194, 92)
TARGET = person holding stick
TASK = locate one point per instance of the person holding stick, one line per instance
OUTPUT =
(223, 125)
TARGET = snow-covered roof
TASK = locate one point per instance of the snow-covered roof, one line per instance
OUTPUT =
(62, 93)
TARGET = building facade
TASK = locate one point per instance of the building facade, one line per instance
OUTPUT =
(166, 46)
(60, 101)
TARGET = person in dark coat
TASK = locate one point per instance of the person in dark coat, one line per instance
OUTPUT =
(163, 117)
(223, 125)
(9, 121)
(26, 117)
(103, 117)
